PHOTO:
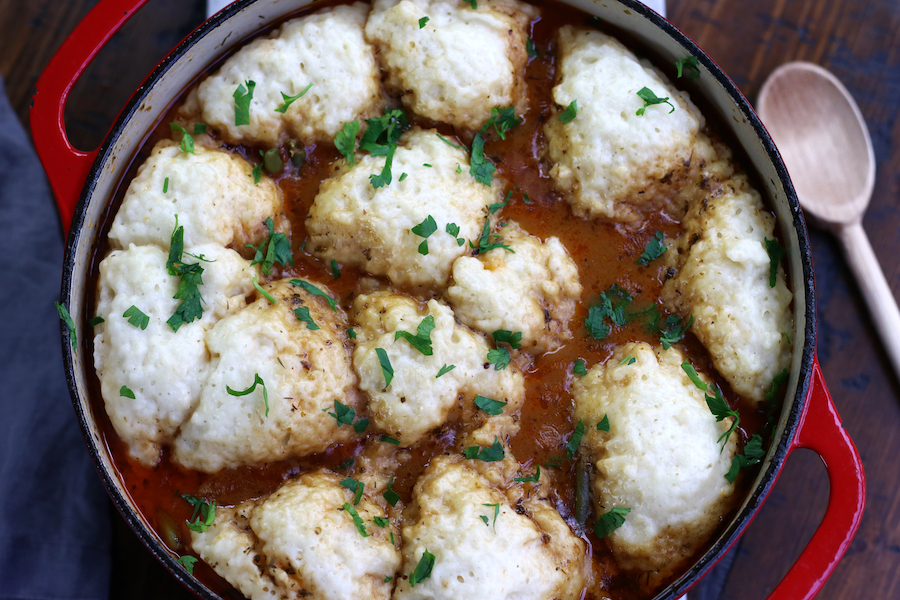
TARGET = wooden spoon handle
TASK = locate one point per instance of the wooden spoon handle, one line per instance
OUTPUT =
(874, 288)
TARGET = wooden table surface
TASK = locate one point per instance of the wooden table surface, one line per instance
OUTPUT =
(858, 40)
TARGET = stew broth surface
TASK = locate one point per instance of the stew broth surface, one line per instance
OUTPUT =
(604, 252)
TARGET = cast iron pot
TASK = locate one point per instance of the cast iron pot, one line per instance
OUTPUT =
(83, 183)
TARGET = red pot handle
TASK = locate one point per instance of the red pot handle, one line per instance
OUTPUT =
(820, 430)
(66, 166)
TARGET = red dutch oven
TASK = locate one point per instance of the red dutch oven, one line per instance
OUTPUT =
(84, 182)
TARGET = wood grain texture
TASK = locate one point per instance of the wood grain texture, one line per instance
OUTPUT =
(858, 40)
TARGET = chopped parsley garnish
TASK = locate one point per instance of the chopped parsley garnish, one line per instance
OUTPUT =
(389, 440)
(204, 513)
(345, 465)
(449, 143)
(673, 330)
(288, 100)
(189, 288)
(776, 251)
(655, 248)
(426, 563)
(628, 360)
(485, 519)
(260, 289)
(424, 230)
(257, 380)
(345, 141)
(496, 508)
(136, 317)
(422, 340)
(96, 321)
(257, 171)
(575, 441)
(335, 269)
(568, 115)
(242, 97)
(65, 318)
(480, 167)
(526, 198)
(453, 229)
(773, 400)
(613, 303)
(386, 369)
(422, 22)
(473, 3)
(484, 243)
(276, 248)
(303, 315)
(126, 392)
(389, 577)
(694, 377)
(357, 520)
(508, 337)
(650, 99)
(499, 358)
(343, 414)
(351, 333)
(688, 66)
(187, 140)
(492, 454)
(532, 51)
(444, 370)
(187, 562)
(721, 411)
(390, 495)
(532, 479)
(199, 128)
(165, 191)
(498, 205)
(380, 139)
(489, 405)
(579, 368)
(603, 425)
(503, 119)
(381, 522)
(610, 521)
(402, 176)
(753, 454)
(315, 292)
(553, 462)
(354, 486)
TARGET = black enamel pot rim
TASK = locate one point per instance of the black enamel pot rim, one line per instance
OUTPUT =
(789, 421)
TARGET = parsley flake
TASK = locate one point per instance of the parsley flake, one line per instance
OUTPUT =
(304, 316)
(568, 115)
(188, 562)
(532, 479)
(487, 521)
(579, 368)
(532, 51)
(721, 411)
(424, 230)
(257, 380)
(444, 370)
(753, 454)
(389, 440)
(126, 392)
(381, 522)
(386, 369)
(390, 495)
(288, 100)
(610, 521)
(655, 248)
(554, 462)
(503, 119)
(690, 66)
(276, 249)
(496, 508)
(484, 243)
(508, 337)
(315, 292)
(473, 3)
(189, 287)
(628, 360)
(480, 167)
(343, 414)
(166, 191)
(335, 269)
(422, 340)
(603, 425)
(260, 289)
(204, 513)
(673, 330)
(449, 143)
(357, 520)
(199, 128)
(492, 454)
(345, 141)
(650, 99)
(694, 377)
(575, 440)
(426, 563)
(354, 486)
(242, 97)
(187, 140)
(499, 358)
(96, 321)
(489, 405)
(136, 317)
(613, 303)
(351, 333)
(453, 229)
(422, 22)
(775, 251)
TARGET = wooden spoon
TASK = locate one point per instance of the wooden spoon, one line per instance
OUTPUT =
(826, 147)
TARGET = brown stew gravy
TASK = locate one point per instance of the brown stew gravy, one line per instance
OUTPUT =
(604, 252)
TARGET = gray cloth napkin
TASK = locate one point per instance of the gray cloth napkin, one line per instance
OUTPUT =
(54, 512)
